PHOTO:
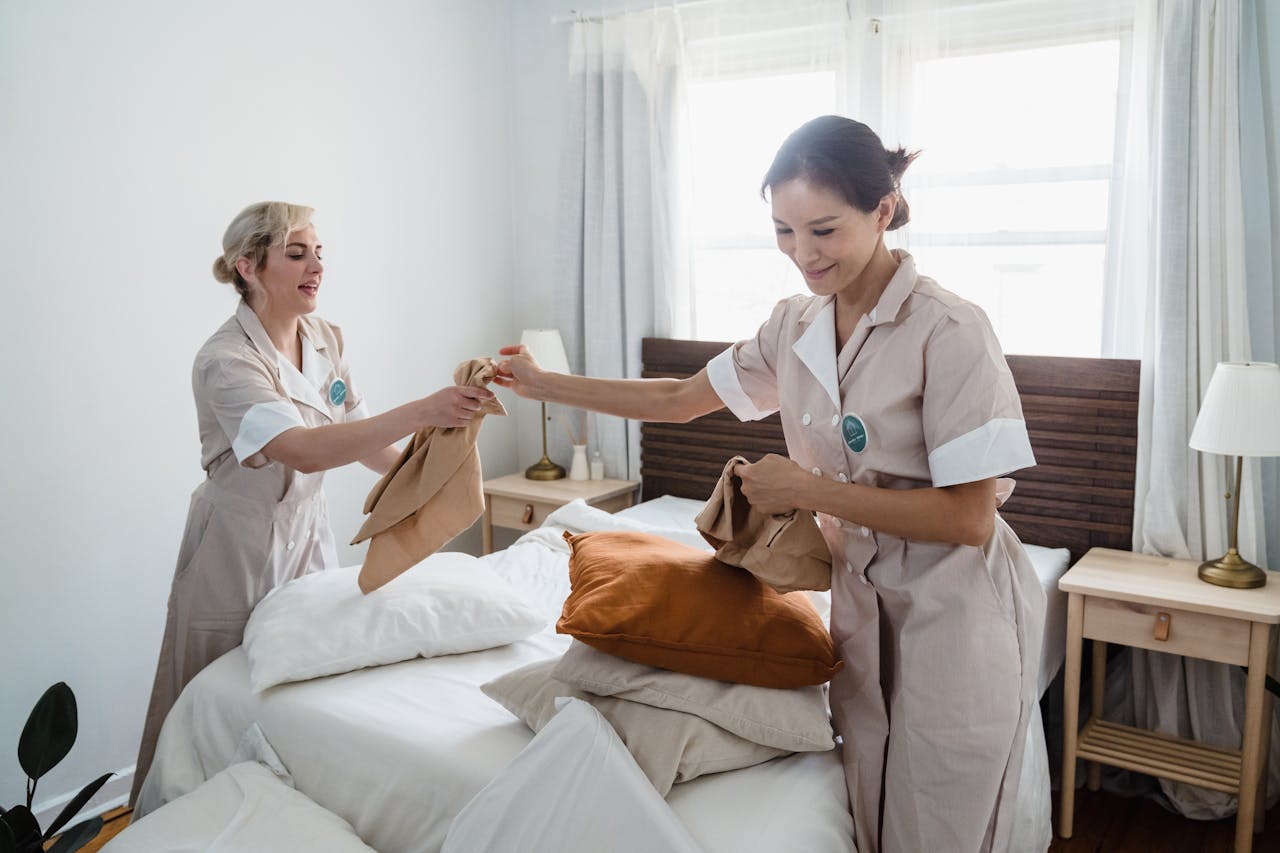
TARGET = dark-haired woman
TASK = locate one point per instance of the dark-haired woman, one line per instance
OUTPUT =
(899, 414)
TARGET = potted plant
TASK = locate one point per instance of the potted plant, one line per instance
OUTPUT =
(46, 739)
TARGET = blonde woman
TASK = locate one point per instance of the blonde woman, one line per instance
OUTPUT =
(276, 407)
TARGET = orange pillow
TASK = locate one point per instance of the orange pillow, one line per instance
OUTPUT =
(657, 602)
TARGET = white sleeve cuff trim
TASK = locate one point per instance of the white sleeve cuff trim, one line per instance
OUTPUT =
(993, 449)
(724, 381)
(262, 423)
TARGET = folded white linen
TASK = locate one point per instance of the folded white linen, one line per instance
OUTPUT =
(574, 789)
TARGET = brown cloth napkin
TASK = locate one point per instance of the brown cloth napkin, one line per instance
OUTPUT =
(432, 493)
(785, 551)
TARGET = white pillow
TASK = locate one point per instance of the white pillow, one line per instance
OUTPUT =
(245, 807)
(792, 719)
(321, 624)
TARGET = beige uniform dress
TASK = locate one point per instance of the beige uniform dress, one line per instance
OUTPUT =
(253, 524)
(940, 642)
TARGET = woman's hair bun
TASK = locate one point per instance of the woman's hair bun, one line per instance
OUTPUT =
(899, 159)
(222, 272)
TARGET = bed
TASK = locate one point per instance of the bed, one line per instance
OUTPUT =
(398, 750)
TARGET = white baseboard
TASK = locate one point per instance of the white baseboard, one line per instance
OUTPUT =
(113, 794)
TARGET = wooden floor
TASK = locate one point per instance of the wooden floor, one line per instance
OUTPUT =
(1104, 823)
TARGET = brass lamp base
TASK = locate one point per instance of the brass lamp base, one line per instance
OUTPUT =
(544, 469)
(1232, 570)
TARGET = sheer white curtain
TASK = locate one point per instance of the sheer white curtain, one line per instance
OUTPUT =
(626, 205)
(624, 264)
(1180, 297)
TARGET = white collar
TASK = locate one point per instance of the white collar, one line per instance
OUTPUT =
(816, 348)
(307, 386)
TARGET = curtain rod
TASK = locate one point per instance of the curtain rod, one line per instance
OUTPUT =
(574, 15)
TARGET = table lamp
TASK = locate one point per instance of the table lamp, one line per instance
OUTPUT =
(548, 350)
(1240, 416)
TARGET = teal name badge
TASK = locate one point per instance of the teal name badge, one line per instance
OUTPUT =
(855, 433)
(337, 392)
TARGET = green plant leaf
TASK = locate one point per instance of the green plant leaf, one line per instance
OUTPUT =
(24, 828)
(7, 842)
(50, 731)
(77, 836)
(76, 804)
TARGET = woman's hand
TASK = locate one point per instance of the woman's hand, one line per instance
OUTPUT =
(519, 371)
(453, 406)
(774, 484)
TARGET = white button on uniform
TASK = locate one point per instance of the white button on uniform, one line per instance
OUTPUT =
(289, 547)
(866, 531)
(817, 472)
(835, 420)
(806, 419)
(844, 478)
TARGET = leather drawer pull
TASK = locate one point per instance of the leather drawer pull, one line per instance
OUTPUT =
(1161, 632)
(528, 514)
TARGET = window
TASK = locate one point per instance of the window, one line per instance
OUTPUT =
(738, 272)
(1010, 198)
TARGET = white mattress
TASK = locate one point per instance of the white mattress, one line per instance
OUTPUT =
(397, 751)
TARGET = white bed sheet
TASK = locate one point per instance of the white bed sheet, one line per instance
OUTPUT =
(397, 751)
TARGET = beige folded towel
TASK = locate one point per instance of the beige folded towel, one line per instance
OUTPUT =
(785, 551)
(433, 492)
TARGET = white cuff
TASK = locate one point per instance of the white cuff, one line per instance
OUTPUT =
(724, 381)
(995, 448)
(262, 423)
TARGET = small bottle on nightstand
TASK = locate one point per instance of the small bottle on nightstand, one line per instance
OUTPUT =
(597, 466)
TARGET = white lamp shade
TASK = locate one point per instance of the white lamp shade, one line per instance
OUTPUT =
(547, 349)
(1240, 415)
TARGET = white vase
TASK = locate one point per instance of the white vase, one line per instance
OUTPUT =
(578, 469)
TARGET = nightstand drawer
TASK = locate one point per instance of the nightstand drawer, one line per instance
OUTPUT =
(519, 514)
(1184, 632)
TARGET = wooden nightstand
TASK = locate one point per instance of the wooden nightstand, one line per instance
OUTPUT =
(522, 504)
(1160, 604)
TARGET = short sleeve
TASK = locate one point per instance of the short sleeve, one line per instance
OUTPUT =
(973, 424)
(244, 399)
(745, 376)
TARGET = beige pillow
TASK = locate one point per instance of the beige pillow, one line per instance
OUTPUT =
(669, 746)
(794, 719)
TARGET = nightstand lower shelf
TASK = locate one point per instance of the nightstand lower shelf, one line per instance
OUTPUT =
(1161, 755)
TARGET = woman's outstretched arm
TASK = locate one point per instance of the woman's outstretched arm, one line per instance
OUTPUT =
(670, 400)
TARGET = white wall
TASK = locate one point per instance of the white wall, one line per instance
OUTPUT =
(130, 133)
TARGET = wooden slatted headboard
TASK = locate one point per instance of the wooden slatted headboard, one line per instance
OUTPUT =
(1082, 416)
